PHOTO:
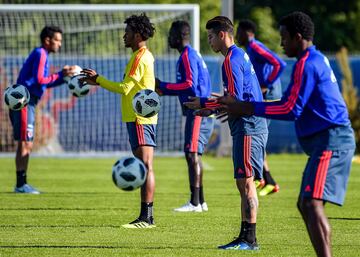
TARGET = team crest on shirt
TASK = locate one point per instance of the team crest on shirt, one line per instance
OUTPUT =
(30, 131)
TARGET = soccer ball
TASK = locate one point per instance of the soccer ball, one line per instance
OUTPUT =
(146, 103)
(129, 173)
(16, 97)
(77, 71)
(78, 89)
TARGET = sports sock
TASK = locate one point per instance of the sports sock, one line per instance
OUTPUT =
(20, 178)
(268, 178)
(146, 212)
(201, 195)
(195, 196)
(242, 230)
(250, 232)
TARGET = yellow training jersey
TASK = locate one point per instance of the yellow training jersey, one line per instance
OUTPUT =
(139, 74)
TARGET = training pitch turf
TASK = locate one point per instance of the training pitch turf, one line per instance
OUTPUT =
(81, 212)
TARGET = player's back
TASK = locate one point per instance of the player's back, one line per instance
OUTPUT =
(265, 61)
(325, 107)
(202, 86)
(192, 70)
(27, 76)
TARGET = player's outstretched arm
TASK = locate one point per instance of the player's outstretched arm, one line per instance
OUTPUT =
(235, 108)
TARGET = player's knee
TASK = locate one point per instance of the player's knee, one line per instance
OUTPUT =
(191, 159)
(25, 147)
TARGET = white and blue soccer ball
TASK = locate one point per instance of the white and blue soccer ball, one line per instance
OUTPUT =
(16, 97)
(146, 103)
(77, 88)
(129, 173)
(77, 70)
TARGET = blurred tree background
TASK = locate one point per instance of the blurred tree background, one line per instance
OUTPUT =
(336, 22)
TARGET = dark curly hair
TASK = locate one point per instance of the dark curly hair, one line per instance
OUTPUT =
(220, 23)
(49, 31)
(141, 24)
(247, 25)
(183, 28)
(299, 22)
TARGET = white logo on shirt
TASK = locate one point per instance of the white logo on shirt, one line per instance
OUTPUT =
(246, 57)
(332, 75)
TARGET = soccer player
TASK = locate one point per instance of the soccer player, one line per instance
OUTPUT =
(268, 67)
(34, 75)
(139, 74)
(193, 79)
(314, 101)
(249, 133)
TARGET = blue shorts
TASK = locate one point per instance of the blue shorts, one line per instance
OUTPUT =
(327, 170)
(197, 133)
(23, 121)
(248, 155)
(141, 134)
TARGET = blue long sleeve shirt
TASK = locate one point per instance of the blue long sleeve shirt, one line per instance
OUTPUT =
(192, 77)
(240, 81)
(268, 65)
(313, 98)
(34, 74)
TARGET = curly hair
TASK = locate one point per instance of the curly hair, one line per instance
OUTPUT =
(141, 24)
(299, 22)
(220, 23)
(49, 31)
(247, 25)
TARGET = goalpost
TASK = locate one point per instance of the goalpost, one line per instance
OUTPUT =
(92, 37)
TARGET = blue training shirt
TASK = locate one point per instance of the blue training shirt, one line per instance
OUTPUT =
(313, 98)
(268, 65)
(240, 81)
(192, 77)
(34, 74)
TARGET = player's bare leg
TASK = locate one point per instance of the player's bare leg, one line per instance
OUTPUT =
(146, 219)
(21, 163)
(195, 182)
(249, 206)
(195, 176)
(317, 224)
(146, 154)
(22, 155)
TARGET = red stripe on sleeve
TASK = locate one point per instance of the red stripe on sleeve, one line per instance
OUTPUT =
(268, 56)
(41, 70)
(294, 94)
(229, 75)
(136, 61)
(188, 75)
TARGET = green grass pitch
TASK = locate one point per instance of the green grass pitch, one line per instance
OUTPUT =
(80, 212)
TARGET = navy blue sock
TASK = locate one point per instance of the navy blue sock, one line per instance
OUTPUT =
(20, 178)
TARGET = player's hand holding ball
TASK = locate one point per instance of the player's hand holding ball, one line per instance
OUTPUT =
(90, 76)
